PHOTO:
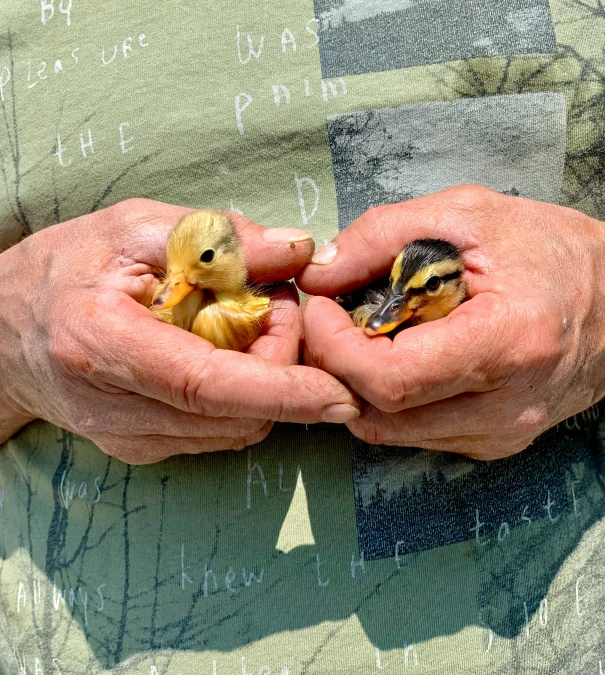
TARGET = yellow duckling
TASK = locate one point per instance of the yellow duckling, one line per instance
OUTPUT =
(205, 289)
(425, 284)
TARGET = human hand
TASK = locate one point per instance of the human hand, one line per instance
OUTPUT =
(79, 348)
(525, 352)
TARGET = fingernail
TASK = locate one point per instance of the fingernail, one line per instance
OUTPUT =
(339, 413)
(326, 254)
(285, 235)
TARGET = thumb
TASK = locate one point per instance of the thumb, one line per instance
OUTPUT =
(166, 363)
(367, 248)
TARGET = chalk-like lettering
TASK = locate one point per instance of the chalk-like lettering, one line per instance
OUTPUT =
(125, 142)
(287, 38)
(251, 50)
(311, 27)
(300, 182)
(318, 564)
(250, 481)
(5, 76)
(86, 145)
(242, 101)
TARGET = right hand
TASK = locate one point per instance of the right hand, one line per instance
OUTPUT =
(80, 349)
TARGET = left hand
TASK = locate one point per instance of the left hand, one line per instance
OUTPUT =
(524, 352)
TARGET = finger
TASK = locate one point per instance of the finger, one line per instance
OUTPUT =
(281, 336)
(426, 363)
(137, 416)
(367, 248)
(478, 416)
(272, 254)
(483, 447)
(152, 449)
(128, 347)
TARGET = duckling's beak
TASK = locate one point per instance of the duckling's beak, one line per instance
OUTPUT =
(175, 289)
(393, 312)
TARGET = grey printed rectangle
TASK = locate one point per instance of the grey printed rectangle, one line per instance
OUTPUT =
(361, 36)
(514, 144)
(409, 500)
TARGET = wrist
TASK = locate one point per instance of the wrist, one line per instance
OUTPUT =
(13, 416)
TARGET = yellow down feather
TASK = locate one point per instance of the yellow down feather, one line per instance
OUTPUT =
(204, 291)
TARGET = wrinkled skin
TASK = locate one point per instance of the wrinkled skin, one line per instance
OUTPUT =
(526, 351)
(79, 348)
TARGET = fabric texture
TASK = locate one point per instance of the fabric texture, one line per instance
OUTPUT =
(311, 552)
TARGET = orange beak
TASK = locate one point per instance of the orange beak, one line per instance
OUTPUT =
(173, 291)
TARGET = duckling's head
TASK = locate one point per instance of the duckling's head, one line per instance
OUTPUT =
(425, 284)
(203, 252)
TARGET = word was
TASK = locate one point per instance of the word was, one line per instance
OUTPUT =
(250, 47)
(68, 493)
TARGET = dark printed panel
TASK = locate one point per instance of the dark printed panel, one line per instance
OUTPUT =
(410, 500)
(513, 144)
(361, 36)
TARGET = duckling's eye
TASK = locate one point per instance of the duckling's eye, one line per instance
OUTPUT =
(433, 284)
(395, 306)
(207, 256)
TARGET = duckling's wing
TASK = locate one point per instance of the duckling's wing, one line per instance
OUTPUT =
(164, 314)
(232, 322)
(183, 314)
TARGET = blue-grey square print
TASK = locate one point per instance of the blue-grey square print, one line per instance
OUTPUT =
(361, 36)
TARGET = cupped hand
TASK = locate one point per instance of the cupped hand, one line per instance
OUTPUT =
(79, 348)
(524, 352)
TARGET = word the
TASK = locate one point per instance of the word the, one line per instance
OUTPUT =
(86, 145)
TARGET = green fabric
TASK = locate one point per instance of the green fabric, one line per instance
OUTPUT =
(251, 562)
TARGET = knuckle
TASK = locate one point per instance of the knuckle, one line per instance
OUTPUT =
(368, 431)
(375, 229)
(193, 390)
(253, 438)
(533, 420)
(133, 207)
(70, 357)
(386, 391)
(471, 197)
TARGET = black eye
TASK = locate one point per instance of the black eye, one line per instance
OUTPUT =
(207, 256)
(433, 283)
(395, 307)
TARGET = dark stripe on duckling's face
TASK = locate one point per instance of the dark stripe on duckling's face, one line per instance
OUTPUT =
(411, 266)
(425, 285)
(456, 274)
